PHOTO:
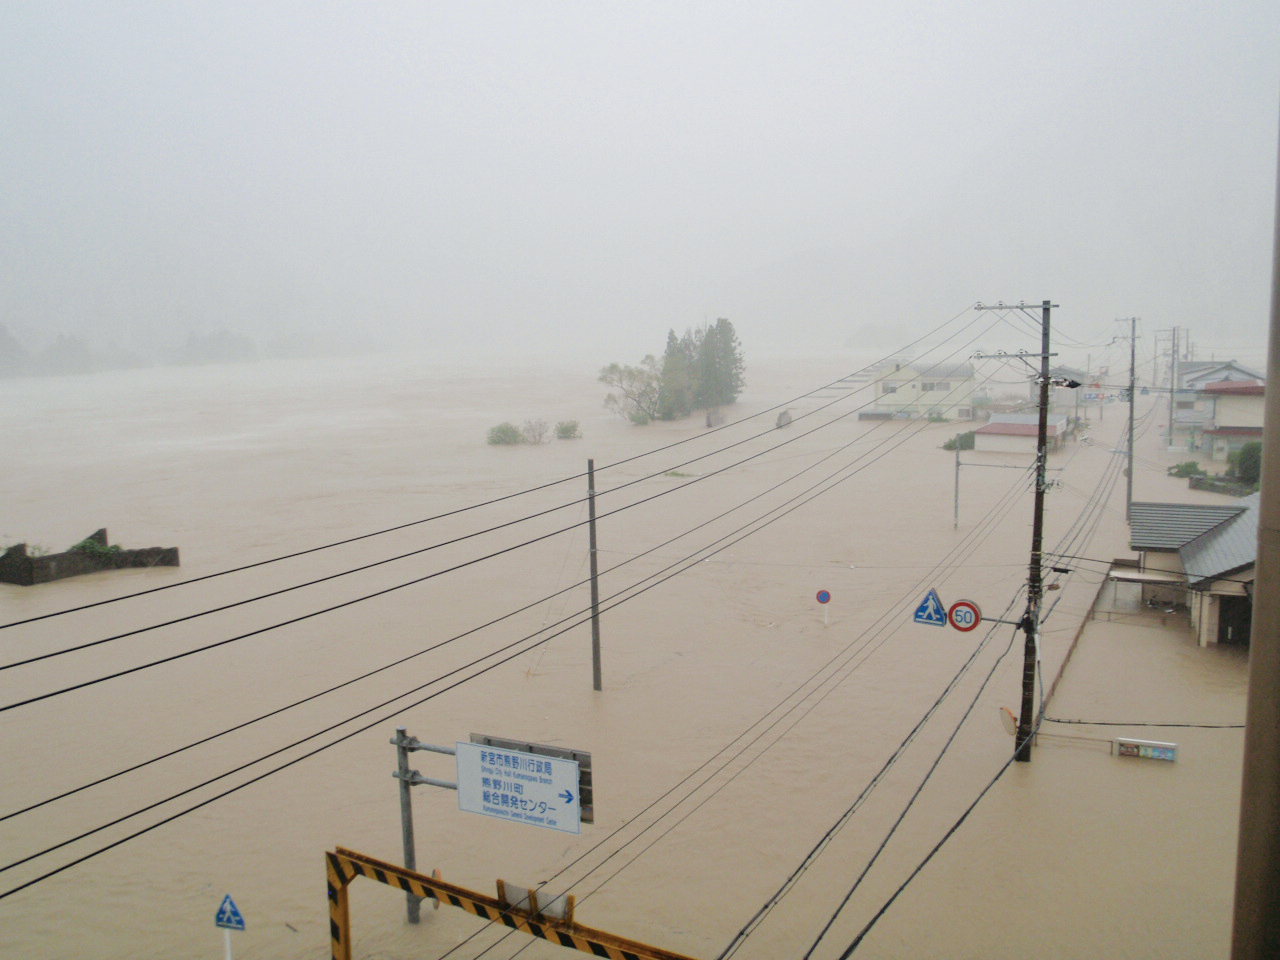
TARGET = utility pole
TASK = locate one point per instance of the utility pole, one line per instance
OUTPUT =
(1173, 380)
(1128, 498)
(1035, 581)
(596, 675)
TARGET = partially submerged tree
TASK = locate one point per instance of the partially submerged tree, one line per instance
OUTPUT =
(720, 365)
(702, 369)
(636, 396)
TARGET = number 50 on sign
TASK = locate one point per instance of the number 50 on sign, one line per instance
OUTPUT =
(964, 615)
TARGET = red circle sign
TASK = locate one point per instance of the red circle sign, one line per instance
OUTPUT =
(964, 615)
(824, 596)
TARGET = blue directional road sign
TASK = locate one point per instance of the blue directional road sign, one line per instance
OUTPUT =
(228, 915)
(522, 787)
(931, 610)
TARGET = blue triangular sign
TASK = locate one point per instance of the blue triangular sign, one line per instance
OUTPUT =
(228, 915)
(930, 610)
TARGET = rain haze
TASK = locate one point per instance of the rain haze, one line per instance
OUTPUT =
(412, 235)
(575, 178)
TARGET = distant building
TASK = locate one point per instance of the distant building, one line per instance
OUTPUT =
(913, 390)
(1194, 374)
(1237, 416)
(1019, 433)
(1218, 417)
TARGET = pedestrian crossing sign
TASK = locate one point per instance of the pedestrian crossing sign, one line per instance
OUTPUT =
(228, 915)
(931, 610)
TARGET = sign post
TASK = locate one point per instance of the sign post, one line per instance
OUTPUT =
(824, 597)
(229, 918)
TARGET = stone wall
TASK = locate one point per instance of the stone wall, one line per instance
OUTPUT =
(91, 555)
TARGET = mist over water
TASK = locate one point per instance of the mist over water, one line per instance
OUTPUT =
(1077, 854)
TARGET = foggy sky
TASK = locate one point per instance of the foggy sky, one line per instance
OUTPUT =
(578, 177)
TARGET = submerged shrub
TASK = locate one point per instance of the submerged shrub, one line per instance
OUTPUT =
(505, 433)
(535, 431)
(567, 430)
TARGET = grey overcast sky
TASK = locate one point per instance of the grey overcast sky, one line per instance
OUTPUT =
(580, 176)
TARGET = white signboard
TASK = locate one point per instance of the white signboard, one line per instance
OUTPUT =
(521, 787)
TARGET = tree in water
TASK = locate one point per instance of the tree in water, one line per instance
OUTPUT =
(702, 369)
(677, 387)
(636, 398)
(720, 365)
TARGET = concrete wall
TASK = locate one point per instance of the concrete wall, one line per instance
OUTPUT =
(1003, 443)
(1232, 411)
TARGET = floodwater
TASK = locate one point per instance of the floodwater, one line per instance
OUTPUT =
(740, 721)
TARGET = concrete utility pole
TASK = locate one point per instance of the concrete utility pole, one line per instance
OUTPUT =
(1256, 929)
(1035, 583)
(1133, 339)
(597, 682)
(1035, 580)
(1173, 381)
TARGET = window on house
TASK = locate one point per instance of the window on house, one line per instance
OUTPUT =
(935, 385)
(888, 388)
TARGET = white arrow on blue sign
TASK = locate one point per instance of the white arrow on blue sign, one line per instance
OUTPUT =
(931, 610)
(228, 915)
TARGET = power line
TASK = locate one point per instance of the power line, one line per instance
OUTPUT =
(385, 591)
(620, 599)
(450, 513)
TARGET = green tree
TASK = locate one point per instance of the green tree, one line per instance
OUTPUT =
(636, 396)
(677, 385)
(720, 365)
(1248, 463)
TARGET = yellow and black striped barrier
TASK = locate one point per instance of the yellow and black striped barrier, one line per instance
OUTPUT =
(343, 866)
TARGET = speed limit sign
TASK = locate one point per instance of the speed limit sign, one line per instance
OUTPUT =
(964, 615)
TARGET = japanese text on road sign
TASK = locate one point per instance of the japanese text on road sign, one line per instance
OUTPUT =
(521, 787)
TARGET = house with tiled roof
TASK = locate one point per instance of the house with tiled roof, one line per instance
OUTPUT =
(1198, 557)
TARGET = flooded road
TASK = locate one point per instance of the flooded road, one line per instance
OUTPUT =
(739, 721)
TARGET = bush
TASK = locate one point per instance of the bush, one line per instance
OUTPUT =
(567, 430)
(936, 416)
(1248, 463)
(505, 433)
(1188, 468)
(534, 432)
(961, 441)
(95, 548)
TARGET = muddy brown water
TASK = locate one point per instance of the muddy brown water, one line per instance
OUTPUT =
(735, 727)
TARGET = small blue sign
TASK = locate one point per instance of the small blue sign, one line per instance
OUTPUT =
(930, 610)
(824, 596)
(228, 915)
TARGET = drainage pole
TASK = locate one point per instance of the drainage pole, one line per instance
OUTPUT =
(596, 682)
(412, 902)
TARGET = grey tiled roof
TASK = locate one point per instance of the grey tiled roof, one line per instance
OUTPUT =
(1168, 526)
(1228, 547)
